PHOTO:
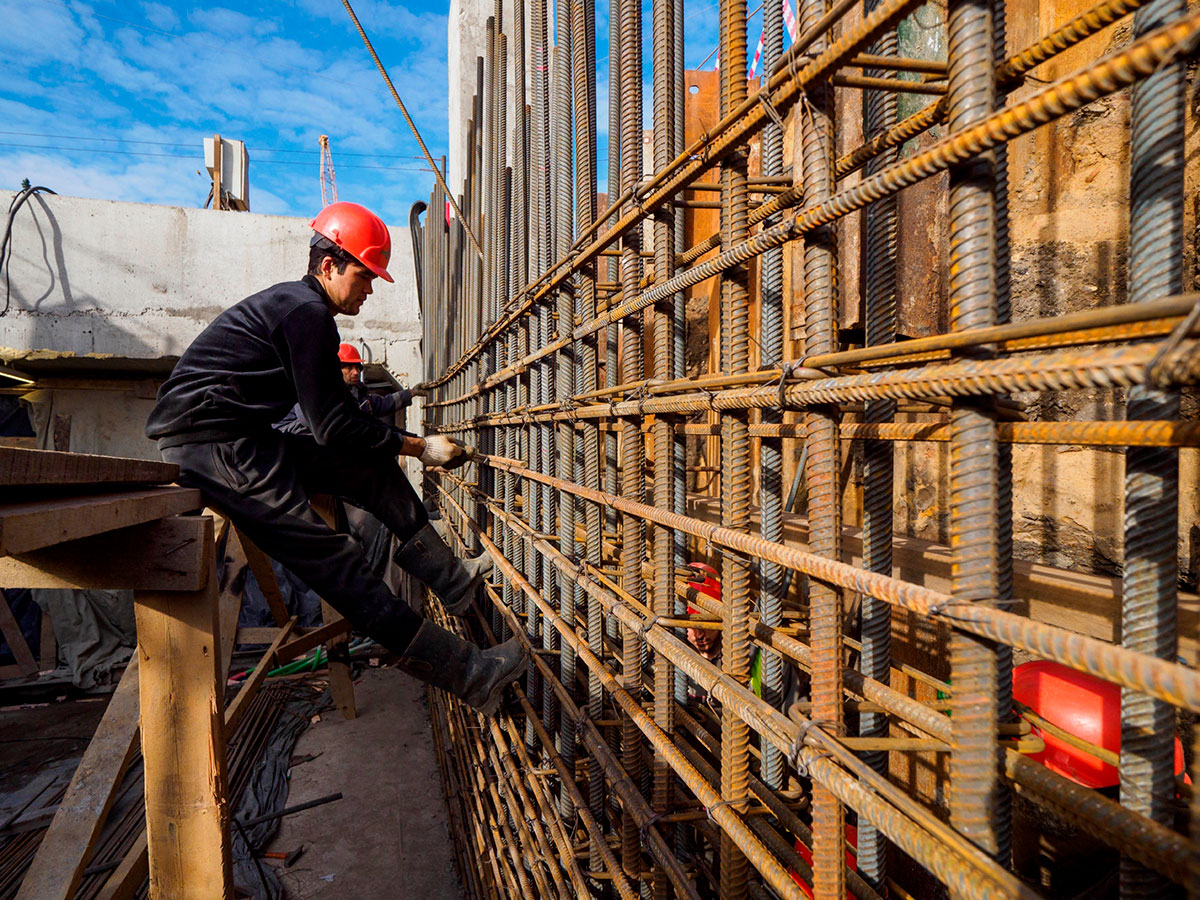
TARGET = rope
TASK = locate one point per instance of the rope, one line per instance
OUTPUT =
(412, 125)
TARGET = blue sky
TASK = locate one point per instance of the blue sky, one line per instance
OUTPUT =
(112, 99)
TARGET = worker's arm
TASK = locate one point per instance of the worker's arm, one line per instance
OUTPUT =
(307, 342)
(386, 404)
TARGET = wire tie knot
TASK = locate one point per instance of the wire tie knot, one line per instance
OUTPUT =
(769, 108)
(647, 625)
(644, 828)
(1160, 371)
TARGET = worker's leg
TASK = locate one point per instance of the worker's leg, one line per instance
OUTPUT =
(370, 481)
(378, 485)
(256, 484)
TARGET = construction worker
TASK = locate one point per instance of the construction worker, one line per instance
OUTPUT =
(380, 405)
(213, 419)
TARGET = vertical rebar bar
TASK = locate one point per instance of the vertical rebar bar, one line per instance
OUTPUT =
(633, 453)
(976, 787)
(1149, 613)
(879, 295)
(584, 45)
(568, 590)
(664, 600)
(735, 448)
(823, 464)
(771, 449)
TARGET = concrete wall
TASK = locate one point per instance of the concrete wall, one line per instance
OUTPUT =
(136, 281)
(466, 40)
(99, 282)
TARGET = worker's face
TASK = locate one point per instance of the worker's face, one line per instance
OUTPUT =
(351, 373)
(349, 289)
(707, 642)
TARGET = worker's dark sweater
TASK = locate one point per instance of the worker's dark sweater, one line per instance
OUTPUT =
(253, 363)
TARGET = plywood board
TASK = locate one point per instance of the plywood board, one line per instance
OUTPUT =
(165, 555)
(29, 468)
(34, 524)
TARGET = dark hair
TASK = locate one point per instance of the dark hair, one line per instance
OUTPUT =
(323, 247)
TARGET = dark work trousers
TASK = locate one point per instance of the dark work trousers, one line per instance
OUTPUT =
(262, 484)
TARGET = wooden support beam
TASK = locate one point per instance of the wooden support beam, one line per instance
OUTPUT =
(236, 711)
(317, 636)
(183, 743)
(26, 665)
(260, 565)
(264, 635)
(20, 467)
(129, 875)
(166, 555)
(67, 847)
(341, 682)
(34, 524)
(229, 599)
(48, 649)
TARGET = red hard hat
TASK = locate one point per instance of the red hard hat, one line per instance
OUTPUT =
(359, 232)
(1083, 705)
(703, 578)
(349, 355)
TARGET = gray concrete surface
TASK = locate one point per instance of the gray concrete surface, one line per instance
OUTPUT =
(136, 281)
(99, 285)
(388, 839)
(466, 40)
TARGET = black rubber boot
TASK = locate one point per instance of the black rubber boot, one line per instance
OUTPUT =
(454, 580)
(477, 677)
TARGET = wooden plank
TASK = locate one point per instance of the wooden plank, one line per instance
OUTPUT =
(229, 602)
(48, 650)
(16, 640)
(34, 524)
(67, 847)
(264, 635)
(317, 636)
(260, 565)
(165, 555)
(25, 467)
(236, 710)
(341, 682)
(183, 743)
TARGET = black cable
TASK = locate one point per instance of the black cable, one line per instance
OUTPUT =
(262, 876)
(414, 229)
(6, 242)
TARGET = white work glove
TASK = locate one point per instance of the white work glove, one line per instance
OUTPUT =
(445, 452)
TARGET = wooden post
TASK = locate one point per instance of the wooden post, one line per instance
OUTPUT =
(183, 741)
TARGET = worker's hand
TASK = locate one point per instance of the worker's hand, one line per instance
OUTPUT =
(419, 390)
(445, 452)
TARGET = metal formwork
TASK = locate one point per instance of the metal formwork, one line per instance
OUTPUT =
(556, 345)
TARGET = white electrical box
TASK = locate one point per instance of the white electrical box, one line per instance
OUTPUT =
(235, 170)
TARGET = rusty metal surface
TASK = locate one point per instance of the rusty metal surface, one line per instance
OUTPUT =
(561, 355)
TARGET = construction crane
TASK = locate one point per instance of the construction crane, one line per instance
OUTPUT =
(328, 181)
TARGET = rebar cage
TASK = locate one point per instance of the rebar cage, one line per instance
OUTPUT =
(853, 335)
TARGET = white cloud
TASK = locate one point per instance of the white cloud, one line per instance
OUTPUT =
(161, 17)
